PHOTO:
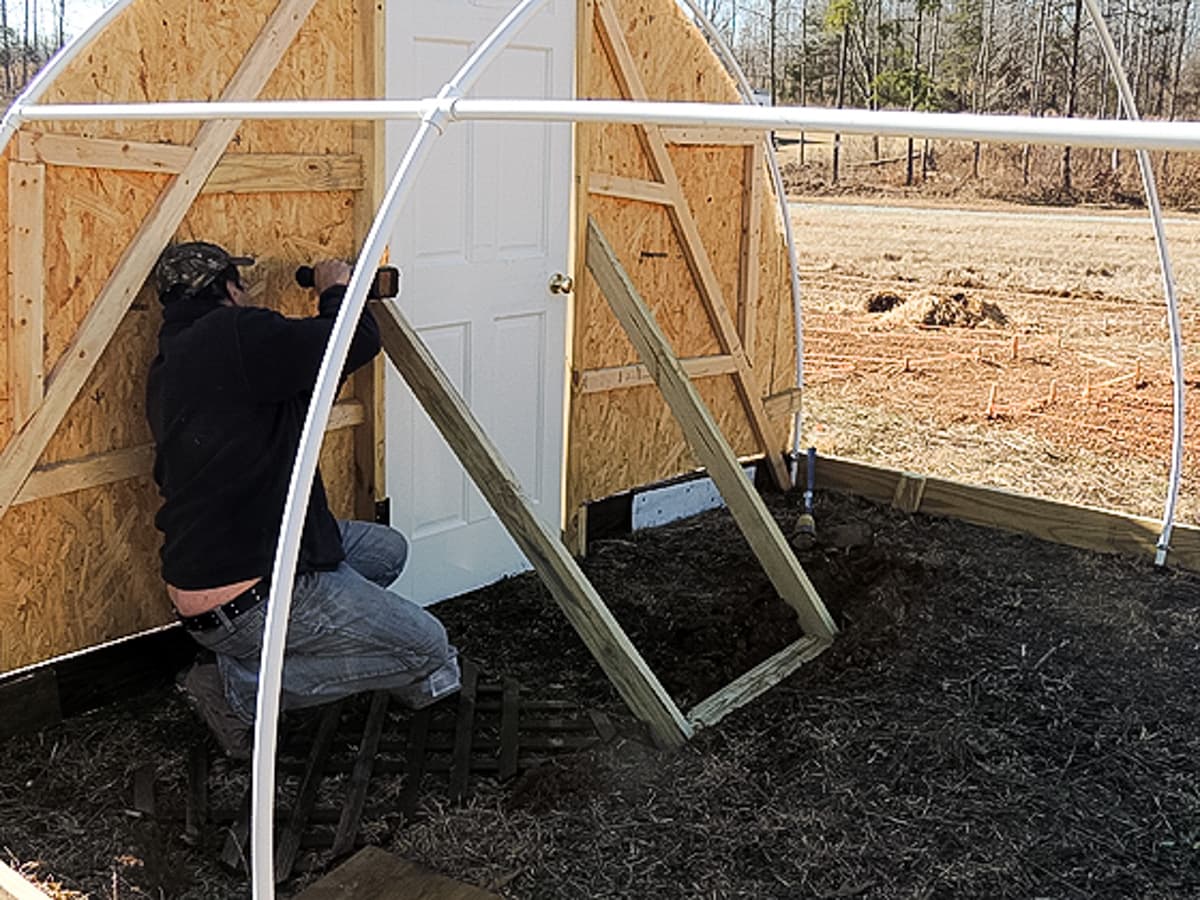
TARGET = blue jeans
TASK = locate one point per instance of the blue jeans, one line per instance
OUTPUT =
(346, 633)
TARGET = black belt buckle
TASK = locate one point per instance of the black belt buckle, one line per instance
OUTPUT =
(244, 602)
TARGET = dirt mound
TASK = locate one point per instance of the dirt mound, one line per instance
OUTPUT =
(958, 309)
(883, 301)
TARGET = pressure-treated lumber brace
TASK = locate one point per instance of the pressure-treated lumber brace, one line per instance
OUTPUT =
(585, 610)
(684, 224)
(26, 289)
(130, 273)
(706, 440)
(14, 887)
(1086, 527)
(756, 682)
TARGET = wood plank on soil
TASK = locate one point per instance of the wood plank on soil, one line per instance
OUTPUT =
(364, 762)
(374, 874)
(288, 843)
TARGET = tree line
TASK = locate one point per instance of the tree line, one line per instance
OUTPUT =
(30, 33)
(1028, 57)
(1033, 57)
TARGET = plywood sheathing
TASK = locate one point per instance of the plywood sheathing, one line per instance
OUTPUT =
(626, 437)
(87, 568)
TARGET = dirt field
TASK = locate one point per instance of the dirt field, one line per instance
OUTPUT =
(1000, 718)
(1023, 348)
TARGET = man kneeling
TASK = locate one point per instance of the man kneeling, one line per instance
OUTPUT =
(226, 398)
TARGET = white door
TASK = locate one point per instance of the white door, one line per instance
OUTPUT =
(481, 236)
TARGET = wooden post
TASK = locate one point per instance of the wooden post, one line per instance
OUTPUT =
(369, 468)
(991, 403)
(706, 440)
(26, 289)
(575, 595)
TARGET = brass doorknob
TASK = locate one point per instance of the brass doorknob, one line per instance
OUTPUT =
(561, 284)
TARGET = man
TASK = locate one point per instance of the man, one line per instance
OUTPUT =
(226, 398)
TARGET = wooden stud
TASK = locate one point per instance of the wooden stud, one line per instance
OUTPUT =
(370, 468)
(593, 621)
(131, 270)
(236, 173)
(711, 137)
(909, 490)
(706, 440)
(751, 239)
(684, 224)
(196, 809)
(990, 412)
(26, 289)
(628, 188)
(509, 729)
(360, 777)
(464, 732)
(134, 462)
(414, 765)
(757, 681)
(611, 379)
(287, 842)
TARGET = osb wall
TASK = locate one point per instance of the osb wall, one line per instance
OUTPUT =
(81, 567)
(628, 437)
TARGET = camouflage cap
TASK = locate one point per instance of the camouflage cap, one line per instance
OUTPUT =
(194, 264)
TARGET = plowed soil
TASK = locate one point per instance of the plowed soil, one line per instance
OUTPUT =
(1018, 348)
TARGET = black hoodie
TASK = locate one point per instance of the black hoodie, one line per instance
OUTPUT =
(226, 399)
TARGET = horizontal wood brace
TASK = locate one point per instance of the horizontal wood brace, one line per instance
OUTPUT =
(235, 173)
(593, 381)
(713, 137)
(784, 403)
(756, 682)
(629, 189)
(132, 462)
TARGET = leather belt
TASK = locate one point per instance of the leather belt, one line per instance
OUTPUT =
(247, 600)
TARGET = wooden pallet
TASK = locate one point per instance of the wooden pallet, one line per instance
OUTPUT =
(336, 759)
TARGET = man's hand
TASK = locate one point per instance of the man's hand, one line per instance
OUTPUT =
(329, 272)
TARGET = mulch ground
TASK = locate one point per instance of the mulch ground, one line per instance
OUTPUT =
(1000, 717)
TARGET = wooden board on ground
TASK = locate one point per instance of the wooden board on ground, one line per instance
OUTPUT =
(1088, 528)
(374, 874)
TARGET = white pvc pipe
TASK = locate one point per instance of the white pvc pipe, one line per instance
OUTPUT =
(1168, 281)
(731, 64)
(283, 575)
(45, 77)
(1122, 133)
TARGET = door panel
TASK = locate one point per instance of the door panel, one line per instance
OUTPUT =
(486, 227)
